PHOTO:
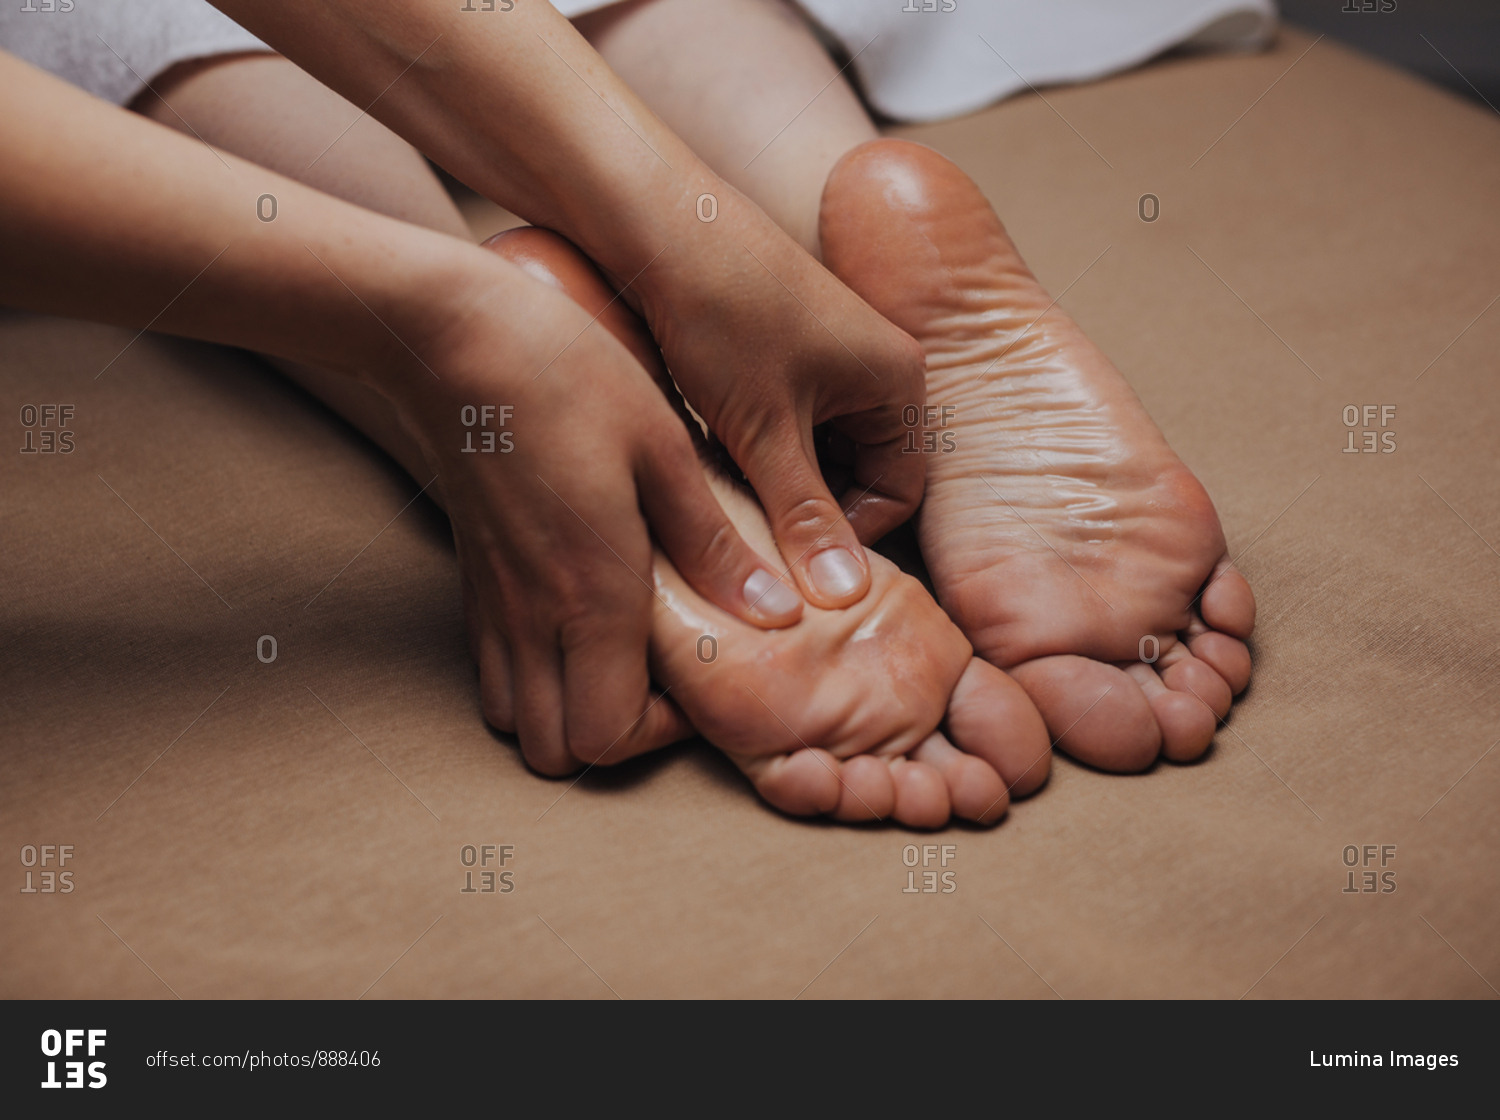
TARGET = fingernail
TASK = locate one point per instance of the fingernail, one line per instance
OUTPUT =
(768, 596)
(836, 573)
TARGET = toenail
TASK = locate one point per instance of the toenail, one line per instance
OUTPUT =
(767, 596)
(836, 573)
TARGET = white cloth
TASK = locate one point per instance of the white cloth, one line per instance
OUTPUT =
(913, 63)
(112, 48)
(917, 61)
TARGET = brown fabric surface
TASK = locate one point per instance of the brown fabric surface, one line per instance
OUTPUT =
(268, 852)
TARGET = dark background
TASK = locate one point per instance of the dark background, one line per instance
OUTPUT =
(1467, 32)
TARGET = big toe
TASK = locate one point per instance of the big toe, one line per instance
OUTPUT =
(804, 783)
(991, 717)
(1227, 603)
(1093, 711)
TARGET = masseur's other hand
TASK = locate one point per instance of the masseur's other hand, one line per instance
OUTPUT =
(557, 458)
(765, 343)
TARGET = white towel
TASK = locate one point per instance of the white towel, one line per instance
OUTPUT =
(923, 60)
(917, 60)
(113, 48)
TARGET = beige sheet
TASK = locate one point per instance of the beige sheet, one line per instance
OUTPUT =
(296, 828)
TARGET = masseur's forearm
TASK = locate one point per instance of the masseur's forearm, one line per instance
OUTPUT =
(514, 103)
(105, 215)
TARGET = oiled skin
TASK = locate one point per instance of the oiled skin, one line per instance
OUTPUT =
(840, 713)
(1062, 533)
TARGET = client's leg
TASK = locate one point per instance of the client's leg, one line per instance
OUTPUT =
(265, 109)
(1062, 533)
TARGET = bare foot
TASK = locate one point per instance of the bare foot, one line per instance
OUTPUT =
(1069, 543)
(873, 711)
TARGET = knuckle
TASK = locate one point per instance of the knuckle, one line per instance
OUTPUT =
(578, 625)
(718, 553)
(811, 516)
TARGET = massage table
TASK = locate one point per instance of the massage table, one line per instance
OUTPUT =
(237, 710)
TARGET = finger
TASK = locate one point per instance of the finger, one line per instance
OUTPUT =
(890, 471)
(660, 725)
(473, 622)
(496, 698)
(811, 530)
(703, 544)
(538, 692)
(606, 697)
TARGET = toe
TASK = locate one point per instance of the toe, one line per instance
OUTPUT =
(868, 792)
(1093, 711)
(1187, 674)
(921, 794)
(1229, 657)
(975, 791)
(1228, 603)
(991, 717)
(804, 783)
(1186, 723)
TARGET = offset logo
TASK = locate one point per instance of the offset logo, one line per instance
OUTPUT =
(66, 1044)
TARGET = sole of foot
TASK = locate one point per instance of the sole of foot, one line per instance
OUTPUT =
(876, 711)
(1066, 539)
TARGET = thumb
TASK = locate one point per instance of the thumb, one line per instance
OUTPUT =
(816, 539)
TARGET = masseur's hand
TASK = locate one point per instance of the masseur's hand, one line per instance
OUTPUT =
(558, 458)
(763, 341)
(766, 344)
(106, 215)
